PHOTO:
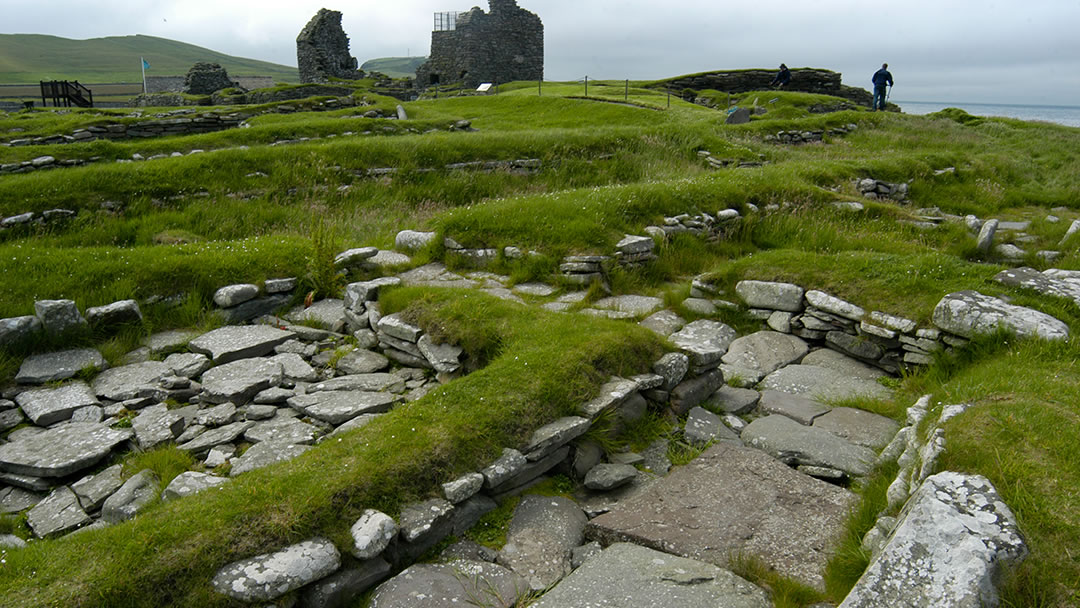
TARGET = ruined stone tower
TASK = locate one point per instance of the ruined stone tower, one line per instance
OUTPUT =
(502, 45)
(322, 49)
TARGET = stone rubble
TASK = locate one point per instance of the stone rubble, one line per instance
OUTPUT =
(277, 389)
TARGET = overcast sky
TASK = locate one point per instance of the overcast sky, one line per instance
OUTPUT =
(938, 50)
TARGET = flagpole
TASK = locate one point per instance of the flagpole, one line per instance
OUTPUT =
(142, 64)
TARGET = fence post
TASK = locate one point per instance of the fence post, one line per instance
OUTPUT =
(669, 99)
(626, 94)
(540, 87)
(586, 86)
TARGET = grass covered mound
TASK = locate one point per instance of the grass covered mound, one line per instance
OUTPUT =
(611, 164)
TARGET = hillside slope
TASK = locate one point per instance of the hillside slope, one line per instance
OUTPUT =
(394, 67)
(29, 58)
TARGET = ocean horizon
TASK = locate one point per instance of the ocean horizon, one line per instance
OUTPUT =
(1068, 116)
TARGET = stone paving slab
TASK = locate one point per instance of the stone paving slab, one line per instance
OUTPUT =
(628, 576)
(338, 407)
(822, 383)
(46, 406)
(458, 583)
(236, 342)
(734, 500)
(765, 351)
(859, 427)
(61, 451)
(50, 367)
(805, 445)
(123, 383)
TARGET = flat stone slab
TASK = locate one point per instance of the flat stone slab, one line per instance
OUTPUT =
(59, 513)
(765, 351)
(236, 342)
(190, 483)
(954, 538)
(338, 407)
(362, 362)
(361, 382)
(822, 383)
(50, 367)
(218, 436)
(665, 322)
(289, 430)
(46, 406)
(794, 443)
(451, 585)
(272, 575)
(798, 408)
(123, 383)
(239, 381)
(704, 341)
(61, 451)
(266, 453)
(730, 500)
(969, 314)
(733, 400)
(859, 427)
(771, 296)
(635, 305)
(828, 358)
(628, 576)
(330, 314)
(540, 538)
(169, 341)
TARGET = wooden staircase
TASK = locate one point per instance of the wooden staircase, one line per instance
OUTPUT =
(66, 94)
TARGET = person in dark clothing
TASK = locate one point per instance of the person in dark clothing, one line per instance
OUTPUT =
(783, 77)
(882, 78)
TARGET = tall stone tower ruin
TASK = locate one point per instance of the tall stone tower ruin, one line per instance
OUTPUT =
(502, 45)
(322, 49)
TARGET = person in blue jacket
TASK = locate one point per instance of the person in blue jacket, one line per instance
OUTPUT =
(783, 77)
(882, 78)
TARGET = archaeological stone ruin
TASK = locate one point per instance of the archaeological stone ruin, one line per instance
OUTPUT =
(475, 47)
(322, 50)
(206, 78)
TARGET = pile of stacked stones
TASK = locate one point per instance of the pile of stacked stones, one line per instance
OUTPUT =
(721, 163)
(876, 189)
(711, 227)
(52, 216)
(888, 342)
(525, 166)
(40, 163)
(283, 402)
(270, 384)
(806, 137)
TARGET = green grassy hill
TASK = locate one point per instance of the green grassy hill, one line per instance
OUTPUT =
(29, 58)
(611, 164)
(394, 67)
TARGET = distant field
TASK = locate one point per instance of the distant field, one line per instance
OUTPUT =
(395, 67)
(30, 58)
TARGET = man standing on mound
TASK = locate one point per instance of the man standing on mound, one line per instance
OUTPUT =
(882, 78)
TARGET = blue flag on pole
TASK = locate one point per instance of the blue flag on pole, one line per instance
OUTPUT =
(145, 64)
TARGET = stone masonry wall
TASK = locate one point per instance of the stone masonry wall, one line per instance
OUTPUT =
(806, 80)
(503, 45)
(322, 49)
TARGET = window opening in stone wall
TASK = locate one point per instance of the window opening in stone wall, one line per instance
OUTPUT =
(446, 22)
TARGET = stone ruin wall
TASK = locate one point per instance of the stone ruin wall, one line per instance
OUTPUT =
(322, 50)
(503, 45)
(806, 80)
(175, 84)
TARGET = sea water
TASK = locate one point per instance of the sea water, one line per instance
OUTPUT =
(1062, 115)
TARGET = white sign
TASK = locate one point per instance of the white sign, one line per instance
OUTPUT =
(484, 88)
